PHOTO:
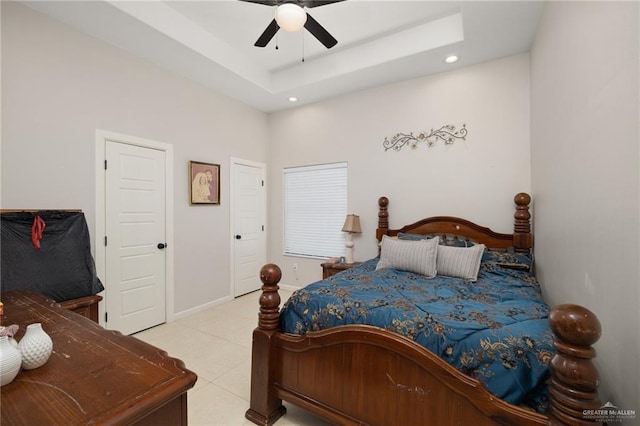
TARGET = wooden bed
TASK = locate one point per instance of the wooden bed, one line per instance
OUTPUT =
(359, 374)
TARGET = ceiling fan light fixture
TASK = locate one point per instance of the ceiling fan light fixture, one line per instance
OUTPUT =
(290, 17)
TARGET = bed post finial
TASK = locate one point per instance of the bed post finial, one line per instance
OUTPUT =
(522, 239)
(269, 316)
(264, 406)
(383, 214)
(383, 217)
(574, 379)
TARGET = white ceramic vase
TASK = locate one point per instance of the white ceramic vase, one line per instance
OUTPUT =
(10, 360)
(10, 331)
(35, 346)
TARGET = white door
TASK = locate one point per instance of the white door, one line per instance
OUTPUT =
(248, 231)
(135, 237)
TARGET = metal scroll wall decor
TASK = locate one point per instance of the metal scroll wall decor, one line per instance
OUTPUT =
(447, 134)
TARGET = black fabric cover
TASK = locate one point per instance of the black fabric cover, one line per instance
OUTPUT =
(62, 269)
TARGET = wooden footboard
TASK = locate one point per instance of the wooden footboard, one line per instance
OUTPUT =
(360, 374)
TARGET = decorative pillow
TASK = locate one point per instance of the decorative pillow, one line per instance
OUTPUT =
(504, 259)
(445, 240)
(455, 241)
(380, 242)
(460, 262)
(412, 256)
(414, 237)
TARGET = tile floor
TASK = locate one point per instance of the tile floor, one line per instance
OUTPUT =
(216, 345)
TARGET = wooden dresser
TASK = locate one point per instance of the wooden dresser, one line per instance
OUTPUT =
(94, 376)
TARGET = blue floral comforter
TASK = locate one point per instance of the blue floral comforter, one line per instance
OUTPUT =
(495, 330)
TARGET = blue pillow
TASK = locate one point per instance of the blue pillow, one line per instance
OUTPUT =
(445, 240)
(507, 259)
(414, 237)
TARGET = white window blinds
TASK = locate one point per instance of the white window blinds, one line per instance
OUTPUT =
(315, 207)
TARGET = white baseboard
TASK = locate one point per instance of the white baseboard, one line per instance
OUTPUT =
(202, 307)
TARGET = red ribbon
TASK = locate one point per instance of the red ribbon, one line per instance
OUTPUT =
(36, 231)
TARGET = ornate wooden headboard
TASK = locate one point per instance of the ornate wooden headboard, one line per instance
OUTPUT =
(521, 240)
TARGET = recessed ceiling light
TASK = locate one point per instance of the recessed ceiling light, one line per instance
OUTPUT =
(451, 59)
(293, 99)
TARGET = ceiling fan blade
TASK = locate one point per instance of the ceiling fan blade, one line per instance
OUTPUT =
(302, 3)
(319, 32)
(267, 35)
(265, 2)
(315, 3)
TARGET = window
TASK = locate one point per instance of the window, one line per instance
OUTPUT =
(315, 205)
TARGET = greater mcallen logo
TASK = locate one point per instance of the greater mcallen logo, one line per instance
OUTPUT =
(609, 413)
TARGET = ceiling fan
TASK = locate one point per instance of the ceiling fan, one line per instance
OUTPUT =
(290, 16)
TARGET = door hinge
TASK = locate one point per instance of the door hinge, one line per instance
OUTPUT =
(105, 240)
(105, 164)
(262, 183)
(105, 317)
(263, 228)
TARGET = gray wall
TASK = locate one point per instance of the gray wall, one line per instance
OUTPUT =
(585, 175)
(476, 178)
(60, 85)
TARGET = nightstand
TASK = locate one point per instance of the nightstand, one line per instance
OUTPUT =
(330, 269)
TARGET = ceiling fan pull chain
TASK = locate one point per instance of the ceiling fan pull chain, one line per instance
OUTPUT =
(303, 46)
(277, 38)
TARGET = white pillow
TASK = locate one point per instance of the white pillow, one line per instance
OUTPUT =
(460, 262)
(412, 256)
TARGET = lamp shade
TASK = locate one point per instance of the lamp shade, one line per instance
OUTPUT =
(290, 17)
(352, 224)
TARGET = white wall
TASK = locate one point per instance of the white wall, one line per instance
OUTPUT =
(585, 176)
(60, 85)
(475, 179)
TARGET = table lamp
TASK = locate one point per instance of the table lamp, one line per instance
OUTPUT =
(351, 226)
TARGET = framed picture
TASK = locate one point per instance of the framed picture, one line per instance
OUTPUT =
(204, 183)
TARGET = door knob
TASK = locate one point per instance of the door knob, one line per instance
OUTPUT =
(161, 246)
(238, 237)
